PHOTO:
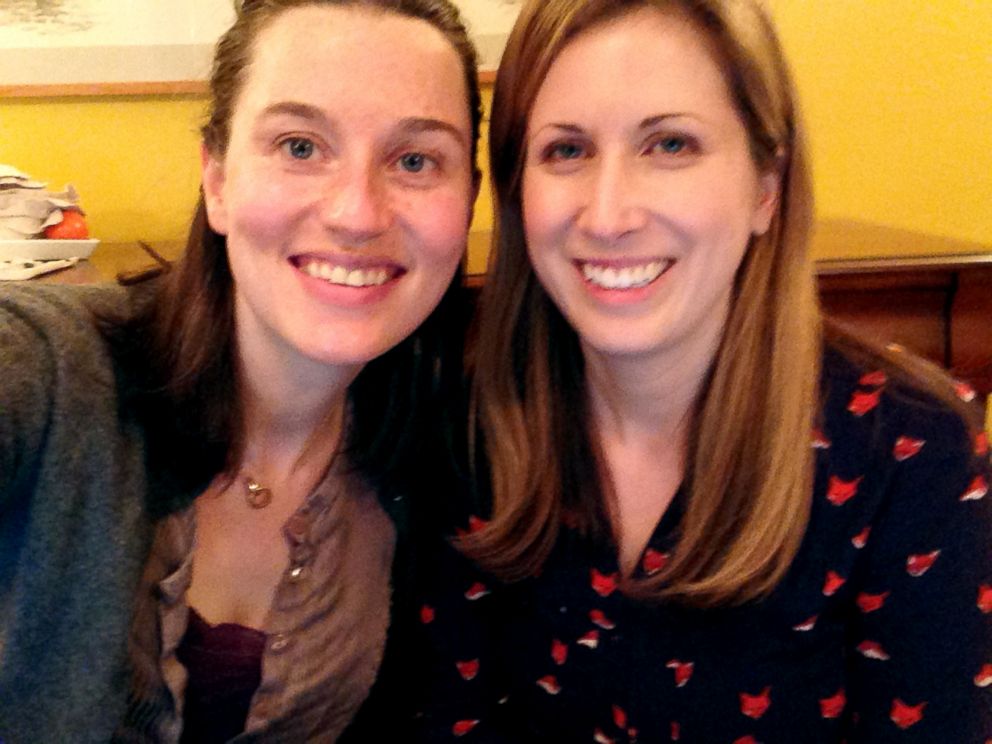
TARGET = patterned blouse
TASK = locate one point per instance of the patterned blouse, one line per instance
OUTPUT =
(880, 631)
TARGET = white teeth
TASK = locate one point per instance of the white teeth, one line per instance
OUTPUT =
(345, 277)
(629, 277)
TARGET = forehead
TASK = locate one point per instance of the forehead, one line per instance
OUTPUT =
(646, 57)
(356, 61)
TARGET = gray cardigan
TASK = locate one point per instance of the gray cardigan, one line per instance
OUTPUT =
(75, 525)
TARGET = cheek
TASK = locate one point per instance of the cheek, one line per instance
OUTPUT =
(440, 223)
(543, 201)
(263, 206)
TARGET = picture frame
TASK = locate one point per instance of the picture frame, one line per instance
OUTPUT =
(134, 47)
(66, 47)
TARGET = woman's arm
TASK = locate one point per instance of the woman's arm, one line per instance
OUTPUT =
(26, 381)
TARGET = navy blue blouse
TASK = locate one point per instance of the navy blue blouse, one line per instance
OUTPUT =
(879, 632)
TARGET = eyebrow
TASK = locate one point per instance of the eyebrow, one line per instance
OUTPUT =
(293, 108)
(418, 124)
(645, 123)
(655, 120)
(410, 124)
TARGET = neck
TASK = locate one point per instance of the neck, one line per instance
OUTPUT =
(293, 406)
(638, 396)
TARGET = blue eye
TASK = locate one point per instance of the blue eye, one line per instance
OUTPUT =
(298, 148)
(671, 145)
(413, 162)
(564, 151)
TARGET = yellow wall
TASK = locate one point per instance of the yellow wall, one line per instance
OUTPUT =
(898, 94)
(898, 97)
(134, 161)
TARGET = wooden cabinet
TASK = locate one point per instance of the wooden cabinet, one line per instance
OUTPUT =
(940, 307)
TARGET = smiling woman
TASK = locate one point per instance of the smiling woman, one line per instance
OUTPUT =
(699, 512)
(222, 539)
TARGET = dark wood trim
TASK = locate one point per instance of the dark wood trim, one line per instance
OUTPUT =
(179, 87)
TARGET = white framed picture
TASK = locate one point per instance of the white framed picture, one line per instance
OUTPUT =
(80, 45)
(72, 42)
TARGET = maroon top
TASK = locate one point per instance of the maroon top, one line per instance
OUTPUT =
(224, 663)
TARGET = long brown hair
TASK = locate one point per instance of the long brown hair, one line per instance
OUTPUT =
(186, 337)
(748, 476)
(749, 465)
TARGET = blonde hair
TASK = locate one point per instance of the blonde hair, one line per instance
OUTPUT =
(749, 468)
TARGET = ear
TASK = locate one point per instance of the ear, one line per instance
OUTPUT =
(212, 178)
(769, 195)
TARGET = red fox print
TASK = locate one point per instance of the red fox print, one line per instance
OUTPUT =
(964, 391)
(426, 614)
(861, 539)
(832, 583)
(806, 625)
(917, 565)
(871, 602)
(600, 738)
(653, 561)
(981, 444)
(906, 447)
(873, 379)
(977, 489)
(619, 717)
(463, 727)
(590, 639)
(984, 676)
(862, 402)
(559, 651)
(820, 440)
(985, 598)
(873, 650)
(478, 590)
(754, 706)
(839, 491)
(904, 715)
(682, 669)
(468, 669)
(833, 706)
(474, 525)
(600, 619)
(603, 584)
(549, 683)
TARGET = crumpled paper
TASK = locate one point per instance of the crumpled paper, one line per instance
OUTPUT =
(20, 270)
(27, 208)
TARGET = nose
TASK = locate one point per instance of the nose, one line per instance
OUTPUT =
(612, 210)
(355, 204)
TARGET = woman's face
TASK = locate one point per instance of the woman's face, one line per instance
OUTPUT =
(346, 190)
(639, 191)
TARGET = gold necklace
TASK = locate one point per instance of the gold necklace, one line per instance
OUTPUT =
(257, 496)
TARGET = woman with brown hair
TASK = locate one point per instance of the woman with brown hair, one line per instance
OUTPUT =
(721, 518)
(199, 480)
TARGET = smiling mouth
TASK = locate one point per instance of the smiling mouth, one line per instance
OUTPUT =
(627, 277)
(370, 276)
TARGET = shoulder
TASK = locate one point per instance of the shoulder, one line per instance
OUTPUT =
(896, 429)
(59, 329)
(59, 312)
